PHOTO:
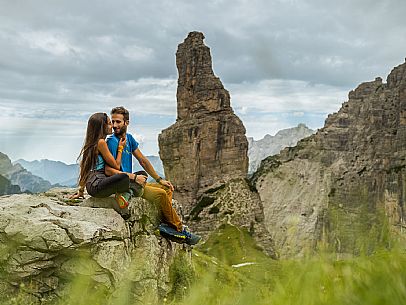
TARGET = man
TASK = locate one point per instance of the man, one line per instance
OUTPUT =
(159, 193)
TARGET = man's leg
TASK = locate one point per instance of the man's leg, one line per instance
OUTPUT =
(162, 196)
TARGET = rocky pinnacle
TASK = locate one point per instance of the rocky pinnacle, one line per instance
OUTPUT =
(207, 144)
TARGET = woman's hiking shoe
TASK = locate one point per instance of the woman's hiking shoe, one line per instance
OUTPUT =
(185, 236)
(122, 199)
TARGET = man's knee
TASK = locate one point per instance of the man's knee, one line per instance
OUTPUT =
(161, 195)
(168, 191)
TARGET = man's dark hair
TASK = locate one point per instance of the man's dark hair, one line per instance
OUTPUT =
(121, 110)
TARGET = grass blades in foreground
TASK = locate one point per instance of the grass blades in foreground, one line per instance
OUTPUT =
(231, 270)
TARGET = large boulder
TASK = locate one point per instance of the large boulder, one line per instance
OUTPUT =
(48, 245)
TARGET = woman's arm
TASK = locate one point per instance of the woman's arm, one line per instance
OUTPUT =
(107, 156)
(109, 171)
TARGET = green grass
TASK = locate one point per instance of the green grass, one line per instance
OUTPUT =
(219, 277)
(379, 278)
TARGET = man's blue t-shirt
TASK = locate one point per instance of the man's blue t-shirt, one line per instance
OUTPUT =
(126, 157)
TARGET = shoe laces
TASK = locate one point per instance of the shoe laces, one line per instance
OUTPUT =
(185, 230)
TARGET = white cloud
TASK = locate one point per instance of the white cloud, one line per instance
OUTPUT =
(287, 96)
(136, 53)
(56, 44)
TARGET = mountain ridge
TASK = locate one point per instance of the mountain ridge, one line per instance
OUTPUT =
(272, 145)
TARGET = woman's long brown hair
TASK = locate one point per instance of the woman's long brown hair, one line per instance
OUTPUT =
(96, 130)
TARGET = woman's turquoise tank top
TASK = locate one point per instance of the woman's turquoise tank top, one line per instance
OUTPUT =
(99, 163)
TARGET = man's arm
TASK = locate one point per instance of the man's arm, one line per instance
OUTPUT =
(144, 162)
(110, 171)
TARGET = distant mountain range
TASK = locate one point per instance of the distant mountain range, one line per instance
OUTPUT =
(16, 179)
(272, 145)
(63, 174)
(7, 188)
(39, 176)
(55, 172)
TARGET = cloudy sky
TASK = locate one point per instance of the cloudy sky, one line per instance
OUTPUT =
(283, 61)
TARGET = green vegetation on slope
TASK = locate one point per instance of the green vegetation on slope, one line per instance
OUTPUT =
(230, 269)
(227, 277)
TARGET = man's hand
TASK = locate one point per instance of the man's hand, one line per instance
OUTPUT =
(141, 179)
(131, 176)
(122, 142)
(167, 184)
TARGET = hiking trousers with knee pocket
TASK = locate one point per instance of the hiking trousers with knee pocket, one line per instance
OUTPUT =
(162, 196)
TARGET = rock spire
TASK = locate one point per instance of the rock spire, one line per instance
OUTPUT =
(207, 144)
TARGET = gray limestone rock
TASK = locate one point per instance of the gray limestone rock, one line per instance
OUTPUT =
(340, 188)
(51, 241)
(236, 204)
(207, 144)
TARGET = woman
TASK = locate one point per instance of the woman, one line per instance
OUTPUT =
(94, 156)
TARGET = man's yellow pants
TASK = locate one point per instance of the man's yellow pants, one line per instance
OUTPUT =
(162, 196)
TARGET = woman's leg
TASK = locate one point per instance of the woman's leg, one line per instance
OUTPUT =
(106, 186)
(162, 196)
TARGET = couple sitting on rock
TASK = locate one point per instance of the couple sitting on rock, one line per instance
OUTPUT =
(106, 169)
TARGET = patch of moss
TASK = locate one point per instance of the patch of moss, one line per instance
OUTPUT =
(232, 245)
(182, 276)
(357, 228)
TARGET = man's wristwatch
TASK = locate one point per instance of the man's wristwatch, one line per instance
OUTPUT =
(158, 179)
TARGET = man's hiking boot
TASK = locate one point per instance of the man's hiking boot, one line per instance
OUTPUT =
(191, 239)
(122, 199)
(182, 237)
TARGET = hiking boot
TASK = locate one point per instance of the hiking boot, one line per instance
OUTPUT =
(122, 199)
(170, 233)
(191, 239)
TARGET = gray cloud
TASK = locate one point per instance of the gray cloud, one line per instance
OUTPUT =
(66, 59)
(113, 41)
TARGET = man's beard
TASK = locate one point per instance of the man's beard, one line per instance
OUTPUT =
(121, 131)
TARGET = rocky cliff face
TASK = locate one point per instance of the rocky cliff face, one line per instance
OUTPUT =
(272, 145)
(21, 177)
(7, 188)
(233, 203)
(207, 144)
(48, 248)
(343, 185)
